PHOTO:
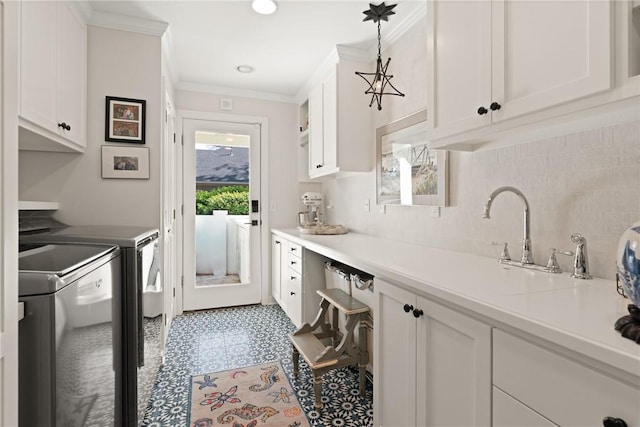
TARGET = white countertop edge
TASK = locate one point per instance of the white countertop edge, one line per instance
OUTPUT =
(26, 205)
(619, 358)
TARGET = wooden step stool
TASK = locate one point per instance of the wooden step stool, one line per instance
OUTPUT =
(320, 358)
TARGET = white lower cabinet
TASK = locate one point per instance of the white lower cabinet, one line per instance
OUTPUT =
(296, 275)
(433, 364)
(559, 389)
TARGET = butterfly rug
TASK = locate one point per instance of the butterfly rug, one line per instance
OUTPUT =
(259, 395)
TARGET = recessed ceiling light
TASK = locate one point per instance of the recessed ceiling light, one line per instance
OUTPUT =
(245, 68)
(264, 7)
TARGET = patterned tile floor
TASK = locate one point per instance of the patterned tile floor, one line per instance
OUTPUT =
(218, 340)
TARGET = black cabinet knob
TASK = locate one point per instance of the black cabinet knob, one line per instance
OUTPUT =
(293, 277)
(407, 308)
(318, 166)
(495, 106)
(293, 262)
(613, 422)
(482, 111)
(417, 313)
(277, 242)
(64, 126)
(292, 293)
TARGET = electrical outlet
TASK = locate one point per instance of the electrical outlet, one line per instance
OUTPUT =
(367, 206)
(435, 212)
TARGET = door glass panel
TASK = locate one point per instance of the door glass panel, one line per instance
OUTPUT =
(222, 208)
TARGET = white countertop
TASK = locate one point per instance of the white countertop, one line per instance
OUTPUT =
(576, 314)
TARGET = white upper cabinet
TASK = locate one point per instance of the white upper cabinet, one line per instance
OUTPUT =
(339, 118)
(490, 62)
(53, 77)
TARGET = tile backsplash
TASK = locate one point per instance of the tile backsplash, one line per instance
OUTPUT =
(587, 182)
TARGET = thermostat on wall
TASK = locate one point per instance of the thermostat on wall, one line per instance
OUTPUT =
(226, 104)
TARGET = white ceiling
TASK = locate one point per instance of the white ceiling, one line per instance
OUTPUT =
(209, 39)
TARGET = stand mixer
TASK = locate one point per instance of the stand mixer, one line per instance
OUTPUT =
(313, 216)
(312, 220)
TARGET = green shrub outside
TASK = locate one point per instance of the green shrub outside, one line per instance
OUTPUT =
(234, 199)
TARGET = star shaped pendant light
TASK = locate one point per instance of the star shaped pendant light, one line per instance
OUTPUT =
(380, 83)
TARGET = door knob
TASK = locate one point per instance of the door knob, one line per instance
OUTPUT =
(495, 106)
(482, 111)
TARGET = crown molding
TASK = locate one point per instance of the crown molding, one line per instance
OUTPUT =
(127, 23)
(229, 91)
(405, 25)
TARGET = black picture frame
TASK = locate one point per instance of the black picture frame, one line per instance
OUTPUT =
(125, 120)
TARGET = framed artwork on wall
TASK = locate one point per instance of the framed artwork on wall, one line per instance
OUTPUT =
(125, 162)
(408, 172)
(125, 119)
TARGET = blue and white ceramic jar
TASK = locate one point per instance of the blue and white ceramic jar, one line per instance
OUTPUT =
(628, 261)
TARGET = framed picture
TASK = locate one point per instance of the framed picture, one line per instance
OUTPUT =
(125, 162)
(408, 172)
(125, 120)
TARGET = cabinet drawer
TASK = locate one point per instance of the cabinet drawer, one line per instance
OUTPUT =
(293, 278)
(294, 262)
(294, 297)
(294, 249)
(561, 389)
(508, 412)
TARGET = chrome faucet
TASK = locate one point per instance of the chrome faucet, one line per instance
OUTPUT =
(580, 262)
(527, 258)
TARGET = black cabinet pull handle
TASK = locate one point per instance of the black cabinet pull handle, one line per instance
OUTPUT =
(482, 111)
(417, 313)
(407, 308)
(613, 422)
(495, 106)
(64, 126)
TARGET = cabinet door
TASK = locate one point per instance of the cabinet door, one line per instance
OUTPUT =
(37, 59)
(546, 53)
(394, 350)
(71, 74)
(459, 66)
(276, 271)
(315, 131)
(330, 122)
(453, 368)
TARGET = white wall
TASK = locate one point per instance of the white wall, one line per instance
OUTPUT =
(120, 64)
(586, 182)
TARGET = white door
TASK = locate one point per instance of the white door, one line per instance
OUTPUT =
(9, 27)
(453, 362)
(395, 354)
(248, 290)
(169, 213)
(459, 73)
(546, 53)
